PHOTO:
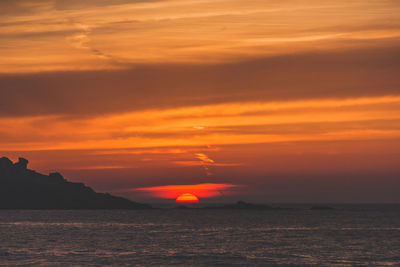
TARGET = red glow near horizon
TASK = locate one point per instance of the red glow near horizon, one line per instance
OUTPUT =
(187, 198)
(199, 190)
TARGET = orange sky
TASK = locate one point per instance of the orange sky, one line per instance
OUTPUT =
(291, 101)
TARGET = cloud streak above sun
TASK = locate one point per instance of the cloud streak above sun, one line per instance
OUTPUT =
(200, 190)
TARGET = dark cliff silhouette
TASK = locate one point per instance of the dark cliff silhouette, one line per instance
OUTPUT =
(21, 188)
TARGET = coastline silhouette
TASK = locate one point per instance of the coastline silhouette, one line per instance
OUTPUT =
(22, 188)
(241, 205)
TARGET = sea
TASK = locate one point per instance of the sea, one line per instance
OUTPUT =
(349, 235)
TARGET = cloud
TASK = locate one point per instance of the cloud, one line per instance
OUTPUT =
(23, 7)
(206, 162)
(354, 73)
(204, 158)
(205, 190)
(270, 122)
(77, 4)
(140, 90)
(82, 40)
(197, 163)
(36, 35)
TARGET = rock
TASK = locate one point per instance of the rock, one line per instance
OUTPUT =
(21, 188)
(22, 164)
(56, 176)
(5, 163)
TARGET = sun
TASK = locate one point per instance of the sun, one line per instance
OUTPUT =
(187, 198)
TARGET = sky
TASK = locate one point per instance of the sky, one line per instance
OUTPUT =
(258, 100)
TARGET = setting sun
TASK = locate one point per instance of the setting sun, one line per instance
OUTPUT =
(187, 198)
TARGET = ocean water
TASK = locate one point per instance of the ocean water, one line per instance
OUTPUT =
(346, 236)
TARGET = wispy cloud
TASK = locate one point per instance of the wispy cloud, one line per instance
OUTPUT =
(204, 158)
(172, 127)
(206, 162)
(198, 31)
(197, 163)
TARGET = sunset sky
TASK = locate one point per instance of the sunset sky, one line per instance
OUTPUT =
(259, 100)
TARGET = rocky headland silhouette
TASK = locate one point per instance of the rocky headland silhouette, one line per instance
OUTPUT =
(22, 188)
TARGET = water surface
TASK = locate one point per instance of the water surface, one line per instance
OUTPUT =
(361, 235)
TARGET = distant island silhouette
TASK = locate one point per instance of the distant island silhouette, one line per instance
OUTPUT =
(241, 205)
(321, 207)
(22, 188)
